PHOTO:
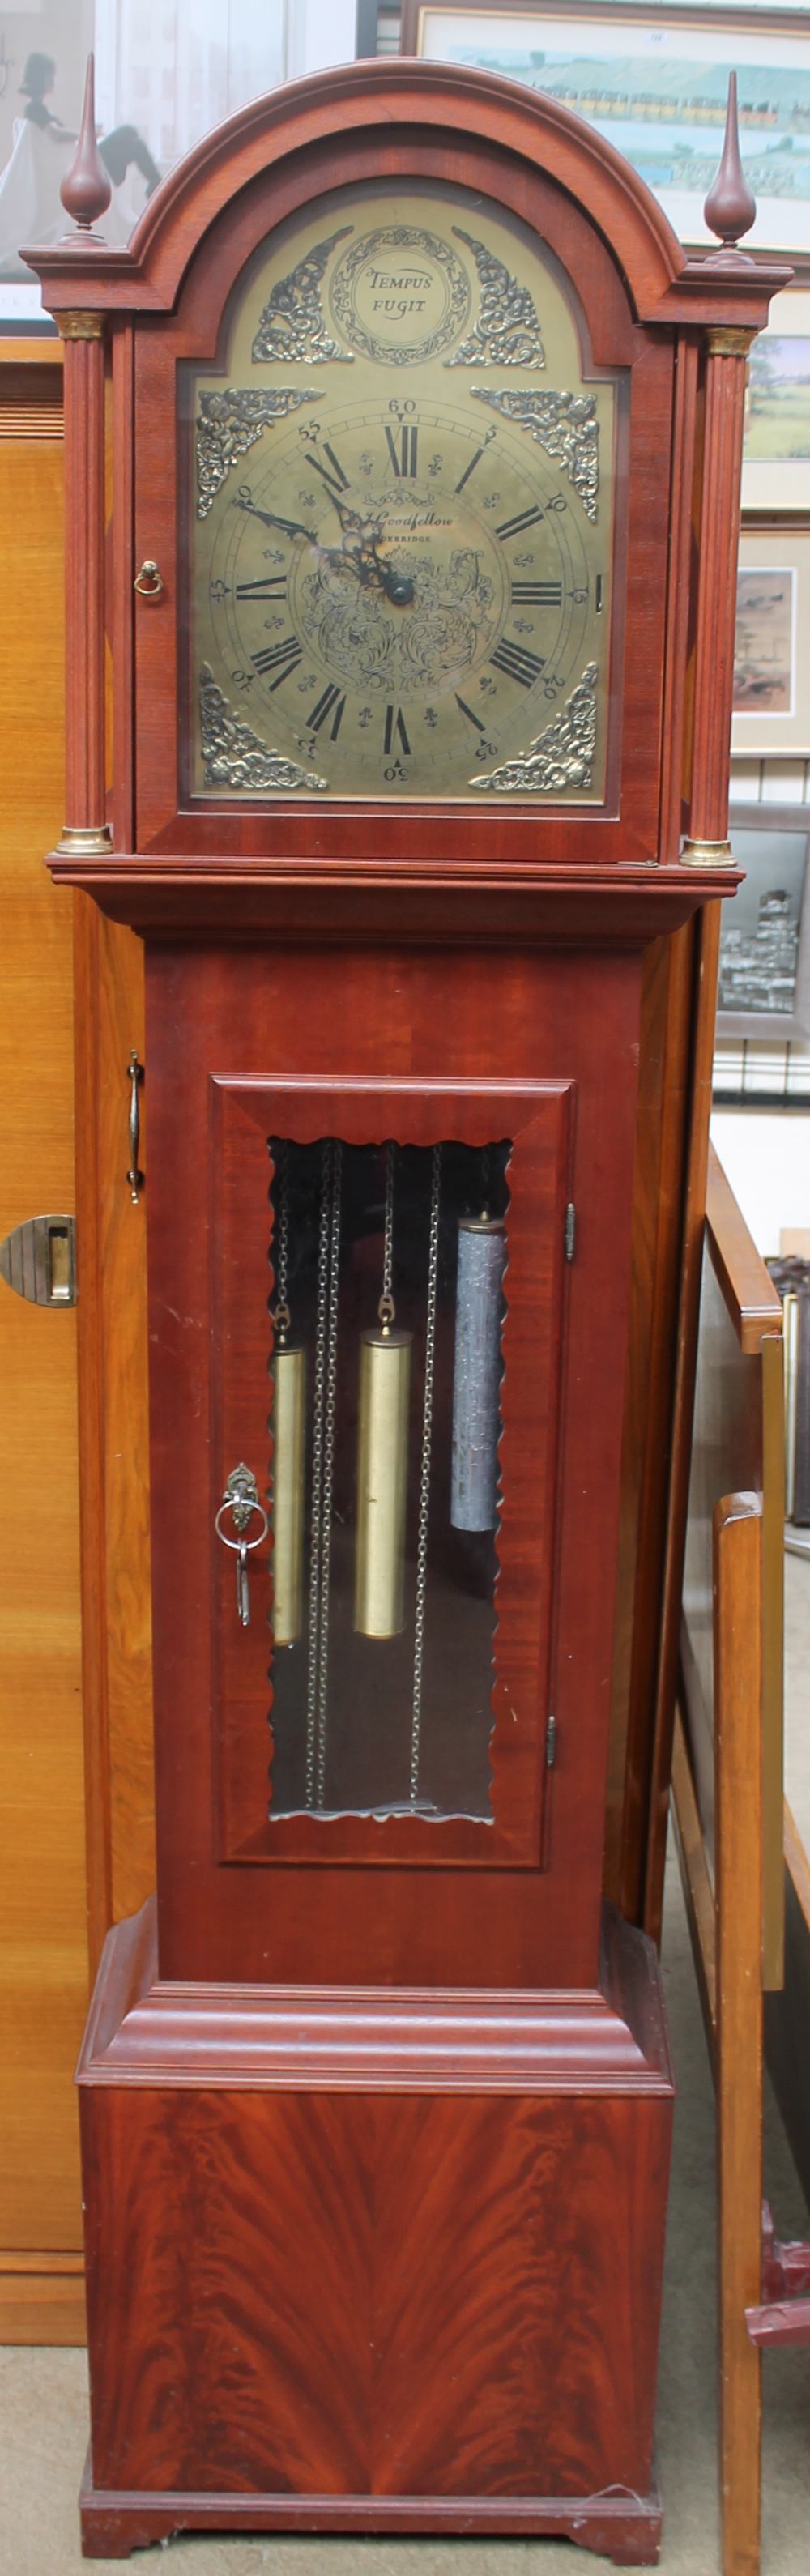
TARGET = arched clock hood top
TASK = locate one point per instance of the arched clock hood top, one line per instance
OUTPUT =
(440, 99)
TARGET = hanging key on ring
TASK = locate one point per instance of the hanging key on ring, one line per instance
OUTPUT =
(241, 1499)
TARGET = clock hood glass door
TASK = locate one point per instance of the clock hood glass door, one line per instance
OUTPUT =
(398, 544)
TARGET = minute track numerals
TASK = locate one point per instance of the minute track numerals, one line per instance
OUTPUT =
(402, 595)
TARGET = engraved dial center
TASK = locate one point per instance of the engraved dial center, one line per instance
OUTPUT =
(418, 549)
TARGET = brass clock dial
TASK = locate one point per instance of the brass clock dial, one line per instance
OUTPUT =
(401, 554)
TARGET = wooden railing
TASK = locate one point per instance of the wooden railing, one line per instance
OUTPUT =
(727, 1787)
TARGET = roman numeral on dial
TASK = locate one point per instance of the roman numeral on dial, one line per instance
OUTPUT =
(279, 658)
(273, 587)
(469, 712)
(536, 594)
(470, 469)
(515, 527)
(402, 449)
(329, 704)
(333, 474)
(516, 663)
(395, 731)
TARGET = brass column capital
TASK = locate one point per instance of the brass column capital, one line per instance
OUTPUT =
(80, 326)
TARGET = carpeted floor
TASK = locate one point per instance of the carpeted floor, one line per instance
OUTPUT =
(43, 2412)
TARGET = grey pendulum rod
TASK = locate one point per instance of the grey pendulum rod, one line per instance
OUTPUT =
(424, 1480)
(335, 1178)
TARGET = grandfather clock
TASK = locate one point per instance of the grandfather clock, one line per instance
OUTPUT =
(420, 596)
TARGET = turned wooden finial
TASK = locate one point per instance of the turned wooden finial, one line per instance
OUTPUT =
(730, 208)
(86, 190)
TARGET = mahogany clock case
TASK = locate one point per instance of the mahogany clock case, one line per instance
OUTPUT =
(382, 2067)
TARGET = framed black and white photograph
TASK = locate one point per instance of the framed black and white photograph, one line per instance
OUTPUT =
(764, 986)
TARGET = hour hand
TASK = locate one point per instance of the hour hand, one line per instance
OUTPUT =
(270, 518)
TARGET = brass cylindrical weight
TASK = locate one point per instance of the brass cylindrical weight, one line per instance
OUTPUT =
(382, 1483)
(289, 1377)
(477, 1373)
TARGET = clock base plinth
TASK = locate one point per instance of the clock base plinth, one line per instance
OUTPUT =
(381, 2262)
(626, 2529)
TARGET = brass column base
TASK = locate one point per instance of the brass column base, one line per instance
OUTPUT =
(707, 854)
(84, 840)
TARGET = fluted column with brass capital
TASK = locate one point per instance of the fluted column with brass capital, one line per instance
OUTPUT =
(85, 827)
(725, 382)
(85, 194)
(729, 211)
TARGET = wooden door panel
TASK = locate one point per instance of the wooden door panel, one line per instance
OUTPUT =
(43, 1942)
(363, 1019)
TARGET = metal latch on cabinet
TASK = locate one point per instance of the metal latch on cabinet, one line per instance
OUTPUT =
(38, 1260)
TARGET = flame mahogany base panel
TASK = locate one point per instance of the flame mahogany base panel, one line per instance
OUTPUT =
(383, 2262)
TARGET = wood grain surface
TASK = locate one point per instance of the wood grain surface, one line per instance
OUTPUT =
(436, 2309)
(113, 1427)
(43, 1947)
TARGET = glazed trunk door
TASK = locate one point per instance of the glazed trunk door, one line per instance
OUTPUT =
(388, 1700)
(355, 1785)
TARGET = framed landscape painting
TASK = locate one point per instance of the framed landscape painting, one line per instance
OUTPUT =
(654, 81)
(776, 454)
(764, 987)
(771, 716)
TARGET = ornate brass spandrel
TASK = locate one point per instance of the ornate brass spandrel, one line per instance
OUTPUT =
(565, 426)
(507, 332)
(230, 422)
(562, 757)
(292, 325)
(234, 756)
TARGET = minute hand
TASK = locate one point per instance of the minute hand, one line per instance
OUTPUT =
(270, 519)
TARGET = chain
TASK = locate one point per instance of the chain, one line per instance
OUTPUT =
(317, 1474)
(328, 1461)
(424, 1481)
(283, 1225)
(388, 1239)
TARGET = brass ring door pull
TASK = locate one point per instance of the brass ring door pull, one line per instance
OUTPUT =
(149, 581)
